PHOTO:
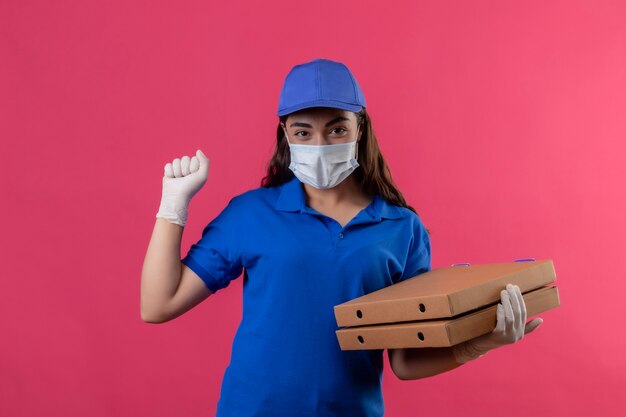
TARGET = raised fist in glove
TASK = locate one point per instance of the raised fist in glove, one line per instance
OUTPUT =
(511, 327)
(183, 178)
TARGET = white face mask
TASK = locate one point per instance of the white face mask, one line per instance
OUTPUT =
(323, 166)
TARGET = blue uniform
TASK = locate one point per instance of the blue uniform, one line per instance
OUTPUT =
(298, 264)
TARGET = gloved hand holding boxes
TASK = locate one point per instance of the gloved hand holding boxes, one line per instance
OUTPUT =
(442, 307)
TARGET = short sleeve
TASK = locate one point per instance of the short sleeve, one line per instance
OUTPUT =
(419, 258)
(216, 257)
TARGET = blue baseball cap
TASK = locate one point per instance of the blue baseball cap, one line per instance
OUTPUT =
(320, 83)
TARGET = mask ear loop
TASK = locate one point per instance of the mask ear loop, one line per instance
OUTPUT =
(356, 157)
(287, 137)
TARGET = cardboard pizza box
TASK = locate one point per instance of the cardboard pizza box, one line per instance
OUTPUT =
(440, 333)
(443, 293)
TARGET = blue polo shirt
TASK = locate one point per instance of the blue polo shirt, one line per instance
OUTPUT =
(297, 265)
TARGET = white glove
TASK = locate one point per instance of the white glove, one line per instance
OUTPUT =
(511, 327)
(182, 180)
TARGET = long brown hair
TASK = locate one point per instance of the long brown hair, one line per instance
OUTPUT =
(373, 174)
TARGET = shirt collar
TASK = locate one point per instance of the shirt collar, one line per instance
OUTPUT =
(292, 198)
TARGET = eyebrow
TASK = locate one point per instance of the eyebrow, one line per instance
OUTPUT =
(335, 120)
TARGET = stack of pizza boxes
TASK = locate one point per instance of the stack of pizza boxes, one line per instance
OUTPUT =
(442, 307)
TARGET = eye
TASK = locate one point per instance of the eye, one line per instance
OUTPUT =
(341, 128)
(300, 131)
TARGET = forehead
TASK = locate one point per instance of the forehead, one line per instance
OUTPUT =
(319, 114)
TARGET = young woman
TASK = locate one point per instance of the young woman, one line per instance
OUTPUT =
(326, 226)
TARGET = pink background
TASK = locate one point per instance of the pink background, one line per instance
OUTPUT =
(503, 123)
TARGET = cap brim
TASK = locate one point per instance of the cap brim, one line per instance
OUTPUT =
(320, 103)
